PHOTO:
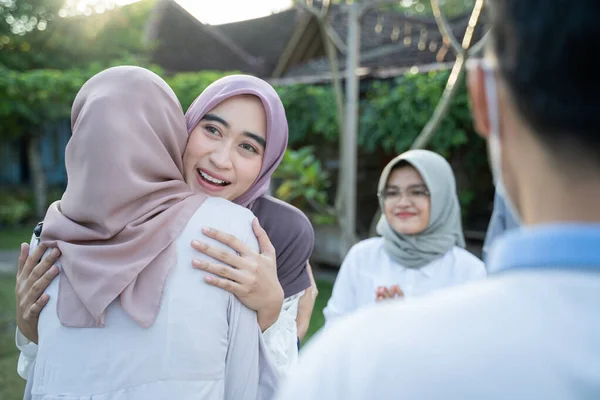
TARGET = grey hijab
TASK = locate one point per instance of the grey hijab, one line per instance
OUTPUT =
(444, 230)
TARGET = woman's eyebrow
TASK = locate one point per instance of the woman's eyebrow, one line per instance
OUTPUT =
(415, 186)
(215, 118)
(259, 139)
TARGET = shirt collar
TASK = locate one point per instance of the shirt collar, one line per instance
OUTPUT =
(553, 246)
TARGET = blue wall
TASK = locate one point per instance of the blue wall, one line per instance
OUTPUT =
(13, 157)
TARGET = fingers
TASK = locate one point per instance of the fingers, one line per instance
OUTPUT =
(34, 258)
(44, 265)
(380, 293)
(388, 293)
(396, 291)
(223, 271)
(385, 293)
(40, 285)
(226, 284)
(36, 308)
(22, 257)
(266, 247)
(222, 255)
(227, 239)
(380, 298)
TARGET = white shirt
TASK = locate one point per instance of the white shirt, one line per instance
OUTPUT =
(368, 266)
(529, 332)
(203, 344)
(280, 338)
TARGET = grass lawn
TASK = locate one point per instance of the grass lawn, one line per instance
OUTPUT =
(11, 239)
(12, 386)
(318, 320)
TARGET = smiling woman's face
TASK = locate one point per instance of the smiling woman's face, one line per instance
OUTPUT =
(225, 151)
(406, 201)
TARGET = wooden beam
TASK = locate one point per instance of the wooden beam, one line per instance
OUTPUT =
(316, 45)
(377, 73)
(290, 48)
(299, 55)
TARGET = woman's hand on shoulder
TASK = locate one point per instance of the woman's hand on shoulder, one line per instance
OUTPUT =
(251, 276)
(34, 275)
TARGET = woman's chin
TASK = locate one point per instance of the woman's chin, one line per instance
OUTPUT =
(407, 229)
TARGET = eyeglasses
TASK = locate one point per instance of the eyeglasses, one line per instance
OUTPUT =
(412, 194)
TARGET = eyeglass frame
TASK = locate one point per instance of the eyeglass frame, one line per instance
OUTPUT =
(405, 192)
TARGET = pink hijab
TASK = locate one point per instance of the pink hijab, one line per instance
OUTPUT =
(126, 200)
(277, 127)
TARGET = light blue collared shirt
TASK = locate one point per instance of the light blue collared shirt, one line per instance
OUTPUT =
(556, 246)
(530, 331)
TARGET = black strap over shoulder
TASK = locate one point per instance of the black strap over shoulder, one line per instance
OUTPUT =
(38, 230)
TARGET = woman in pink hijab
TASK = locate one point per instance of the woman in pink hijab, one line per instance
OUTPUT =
(237, 137)
(128, 317)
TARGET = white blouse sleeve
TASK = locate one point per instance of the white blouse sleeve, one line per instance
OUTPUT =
(343, 297)
(281, 338)
(27, 348)
(28, 354)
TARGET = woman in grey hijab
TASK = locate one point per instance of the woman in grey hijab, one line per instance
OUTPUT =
(421, 247)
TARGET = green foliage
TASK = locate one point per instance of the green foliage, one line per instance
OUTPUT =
(189, 85)
(116, 34)
(419, 8)
(25, 26)
(13, 210)
(48, 51)
(304, 184)
(33, 98)
(17, 207)
(22, 17)
(12, 386)
(41, 34)
(317, 320)
(392, 113)
(450, 8)
(311, 113)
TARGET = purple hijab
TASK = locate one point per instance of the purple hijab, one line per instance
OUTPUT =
(288, 228)
(277, 127)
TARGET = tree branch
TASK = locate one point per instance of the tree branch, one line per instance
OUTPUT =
(307, 5)
(442, 108)
(444, 26)
(468, 37)
(477, 47)
(457, 71)
(335, 38)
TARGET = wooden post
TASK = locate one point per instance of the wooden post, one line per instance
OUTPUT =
(349, 162)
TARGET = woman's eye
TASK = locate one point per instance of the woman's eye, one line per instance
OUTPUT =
(212, 130)
(249, 148)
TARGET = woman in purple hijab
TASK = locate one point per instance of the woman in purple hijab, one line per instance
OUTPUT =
(231, 155)
(220, 161)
